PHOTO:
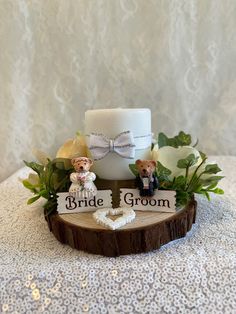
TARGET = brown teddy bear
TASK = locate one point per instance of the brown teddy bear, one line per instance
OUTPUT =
(146, 181)
(82, 180)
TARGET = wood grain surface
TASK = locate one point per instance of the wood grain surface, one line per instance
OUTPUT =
(147, 232)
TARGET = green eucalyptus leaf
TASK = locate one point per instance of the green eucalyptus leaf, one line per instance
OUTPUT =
(203, 155)
(210, 180)
(44, 193)
(207, 195)
(197, 188)
(179, 183)
(163, 140)
(212, 169)
(182, 139)
(182, 164)
(28, 185)
(212, 186)
(189, 161)
(33, 199)
(162, 172)
(218, 191)
(182, 198)
(35, 166)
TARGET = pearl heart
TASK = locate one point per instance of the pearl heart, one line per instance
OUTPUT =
(101, 218)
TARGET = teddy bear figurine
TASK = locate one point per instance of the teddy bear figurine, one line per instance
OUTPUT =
(82, 185)
(146, 180)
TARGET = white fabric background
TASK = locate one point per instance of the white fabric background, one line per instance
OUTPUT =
(60, 58)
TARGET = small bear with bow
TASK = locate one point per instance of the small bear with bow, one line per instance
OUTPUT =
(82, 185)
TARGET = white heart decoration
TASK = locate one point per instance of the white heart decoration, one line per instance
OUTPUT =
(101, 218)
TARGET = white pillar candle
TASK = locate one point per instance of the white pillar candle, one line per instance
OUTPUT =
(111, 122)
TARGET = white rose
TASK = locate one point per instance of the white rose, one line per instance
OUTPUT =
(169, 156)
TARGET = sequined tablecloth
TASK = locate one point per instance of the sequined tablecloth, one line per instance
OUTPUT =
(196, 274)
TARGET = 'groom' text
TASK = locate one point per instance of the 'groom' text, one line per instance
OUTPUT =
(162, 201)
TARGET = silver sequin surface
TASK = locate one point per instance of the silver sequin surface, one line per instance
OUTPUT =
(196, 274)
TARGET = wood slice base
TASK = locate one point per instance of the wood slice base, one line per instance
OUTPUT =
(147, 232)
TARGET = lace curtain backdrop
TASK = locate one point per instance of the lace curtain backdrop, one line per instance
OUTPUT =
(60, 58)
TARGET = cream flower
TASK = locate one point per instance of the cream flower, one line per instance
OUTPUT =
(169, 156)
(33, 179)
(73, 148)
(41, 156)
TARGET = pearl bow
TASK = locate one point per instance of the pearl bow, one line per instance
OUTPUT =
(122, 144)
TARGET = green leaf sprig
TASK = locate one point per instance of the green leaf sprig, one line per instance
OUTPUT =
(189, 184)
(54, 177)
(182, 139)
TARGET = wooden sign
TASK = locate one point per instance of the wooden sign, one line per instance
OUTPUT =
(68, 204)
(162, 201)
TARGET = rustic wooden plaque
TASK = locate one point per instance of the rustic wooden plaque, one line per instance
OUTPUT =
(147, 232)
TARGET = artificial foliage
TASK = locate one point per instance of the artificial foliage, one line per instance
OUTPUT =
(181, 139)
(189, 184)
(54, 176)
